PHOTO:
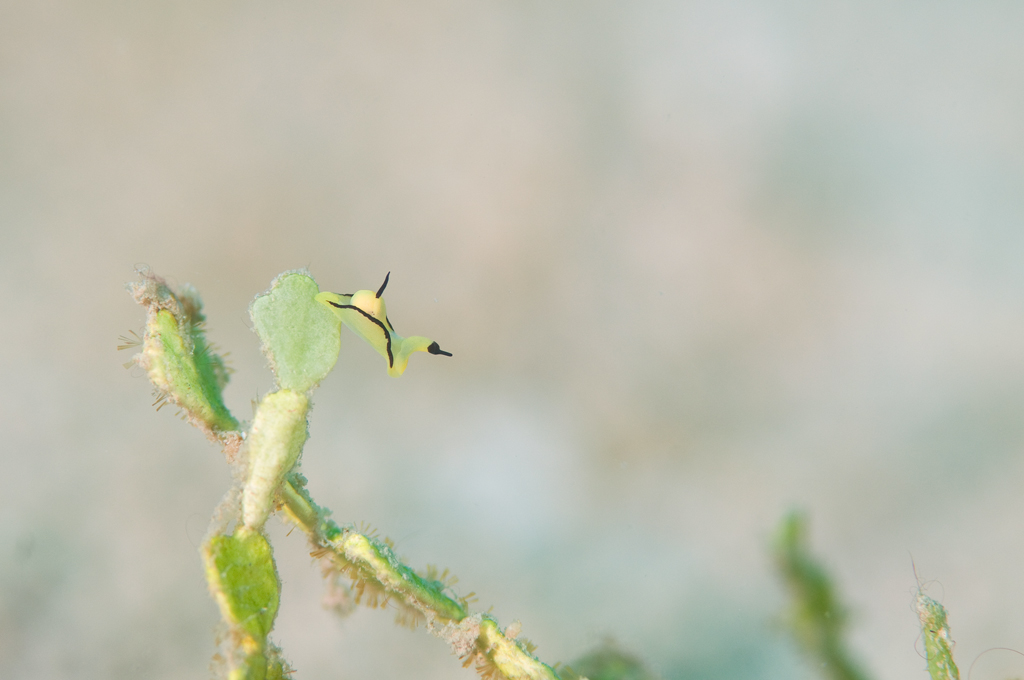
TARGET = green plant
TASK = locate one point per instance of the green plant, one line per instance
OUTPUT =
(817, 617)
(299, 328)
(938, 644)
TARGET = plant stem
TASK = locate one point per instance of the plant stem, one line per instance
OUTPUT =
(938, 644)
(380, 577)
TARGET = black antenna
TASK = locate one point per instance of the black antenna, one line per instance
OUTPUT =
(380, 291)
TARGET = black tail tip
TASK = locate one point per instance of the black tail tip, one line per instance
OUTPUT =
(435, 349)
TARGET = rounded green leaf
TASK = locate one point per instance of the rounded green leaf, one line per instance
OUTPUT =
(300, 336)
(241, 573)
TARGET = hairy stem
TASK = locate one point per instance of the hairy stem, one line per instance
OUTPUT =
(938, 644)
(380, 577)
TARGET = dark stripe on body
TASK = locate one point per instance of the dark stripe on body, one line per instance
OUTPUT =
(391, 358)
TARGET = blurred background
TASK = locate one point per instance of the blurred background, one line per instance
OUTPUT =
(699, 263)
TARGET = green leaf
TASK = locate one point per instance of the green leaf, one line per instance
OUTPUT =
(180, 362)
(301, 337)
(241, 573)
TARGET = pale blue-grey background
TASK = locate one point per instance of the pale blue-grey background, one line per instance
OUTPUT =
(698, 262)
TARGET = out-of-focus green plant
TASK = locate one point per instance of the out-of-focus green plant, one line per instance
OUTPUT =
(299, 328)
(817, 618)
(610, 662)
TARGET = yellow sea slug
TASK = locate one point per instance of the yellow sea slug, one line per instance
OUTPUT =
(365, 313)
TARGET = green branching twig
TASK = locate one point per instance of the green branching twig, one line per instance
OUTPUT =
(379, 577)
(300, 333)
(938, 645)
(240, 568)
(817, 618)
(243, 580)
